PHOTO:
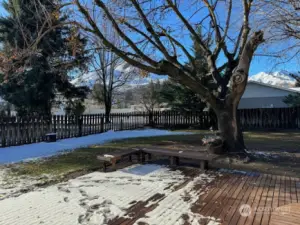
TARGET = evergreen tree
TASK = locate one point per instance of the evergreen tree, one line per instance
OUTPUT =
(33, 87)
(181, 98)
(293, 99)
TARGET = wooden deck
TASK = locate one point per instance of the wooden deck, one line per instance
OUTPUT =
(259, 195)
(259, 191)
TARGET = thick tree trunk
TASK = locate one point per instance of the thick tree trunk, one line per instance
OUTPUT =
(226, 110)
(107, 112)
(230, 131)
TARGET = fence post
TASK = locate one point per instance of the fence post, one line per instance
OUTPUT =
(151, 119)
(3, 133)
(54, 123)
(121, 124)
(102, 125)
(79, 121)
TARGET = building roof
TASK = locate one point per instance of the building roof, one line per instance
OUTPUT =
(294, 90)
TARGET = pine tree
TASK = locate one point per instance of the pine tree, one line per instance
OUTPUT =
(180, 98)
(293, 99)
(41, 76)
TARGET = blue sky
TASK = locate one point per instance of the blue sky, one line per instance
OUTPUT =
(259, 63)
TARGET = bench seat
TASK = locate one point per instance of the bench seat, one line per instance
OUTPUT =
(113, 158)
(174, 156)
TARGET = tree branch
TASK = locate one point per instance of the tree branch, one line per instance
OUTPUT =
(245, 27)
(111, 46)
(141, 33)
(122, 35)
(150, 29)
(190, 28)
(190, 57)
(240, 74)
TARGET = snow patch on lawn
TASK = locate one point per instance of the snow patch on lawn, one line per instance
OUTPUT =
(265, 155)
(38, 150)
(14, 186)
(97, 198)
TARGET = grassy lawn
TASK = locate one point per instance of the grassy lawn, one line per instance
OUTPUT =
(273, 141)
(84, 159)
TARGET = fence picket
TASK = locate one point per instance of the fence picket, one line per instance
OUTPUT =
(25, 130)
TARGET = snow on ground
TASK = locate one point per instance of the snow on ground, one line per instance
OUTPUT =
(266, 155)
(13, 186)
(99, 197)
(37, 150)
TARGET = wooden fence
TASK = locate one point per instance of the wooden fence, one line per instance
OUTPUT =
(25, 130)
(272, 118)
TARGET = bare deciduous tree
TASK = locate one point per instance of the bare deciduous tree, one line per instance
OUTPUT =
(111, 71)
(150, 97)
(156, 32)
(281, 21)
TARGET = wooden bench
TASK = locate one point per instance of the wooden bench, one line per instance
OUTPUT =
(141, 154)
(113, 158)
(175, 155)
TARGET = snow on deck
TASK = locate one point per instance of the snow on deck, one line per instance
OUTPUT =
(98, 198)
(37, 150)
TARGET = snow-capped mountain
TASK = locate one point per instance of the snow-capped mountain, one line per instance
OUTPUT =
(280, 78)
(139, 81)
(89, 79)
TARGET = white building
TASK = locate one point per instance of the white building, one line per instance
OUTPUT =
(257, 95)
(260, 95)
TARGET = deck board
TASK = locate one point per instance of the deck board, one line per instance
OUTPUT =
(275, 201)
(256, 200)
(235, 200)
(262, 201)
(293, 191)
(268, 204)
(206, 198)
(290, 214)
(281, 201)
(297, 184)
(224, 196)
(288, 197)
(214, 203)
(245, 199)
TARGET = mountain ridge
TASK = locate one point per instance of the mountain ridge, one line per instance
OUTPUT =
(278, 78)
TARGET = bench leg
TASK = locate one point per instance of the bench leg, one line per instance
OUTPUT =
(113, 165)
(138, 155)
(149, 156)
(143, 157)
(130, 158)
(174, 161)
(177, 160)
(104, 167)
(203, 165)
